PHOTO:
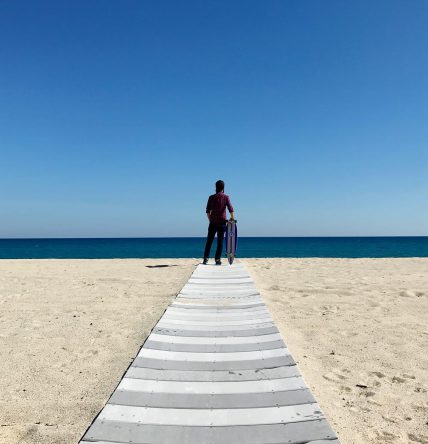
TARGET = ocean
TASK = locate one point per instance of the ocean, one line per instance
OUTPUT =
(192, 247)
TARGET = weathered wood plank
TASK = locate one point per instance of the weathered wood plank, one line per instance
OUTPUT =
(211, 418)
(258, 364)
(291, 433)
(225, 340)
(189, 375)
(209, 401)
(214, 348)
(261, 386)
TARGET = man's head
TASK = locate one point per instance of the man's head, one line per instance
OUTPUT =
(219, 186)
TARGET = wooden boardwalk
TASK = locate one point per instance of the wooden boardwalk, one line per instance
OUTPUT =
(214, 370)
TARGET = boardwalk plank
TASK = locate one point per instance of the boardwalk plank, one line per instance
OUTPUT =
(213, 348)
(214, 340)
(261, 386)
(225, 375)
(291, 433)
(211, 418)
(257, 364)
(216, 333)
(207, 401)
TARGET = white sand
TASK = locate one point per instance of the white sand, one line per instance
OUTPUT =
(70, 328)
(351, 322)
(68, 331)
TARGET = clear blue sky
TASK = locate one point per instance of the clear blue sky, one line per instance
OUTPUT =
(117, 117)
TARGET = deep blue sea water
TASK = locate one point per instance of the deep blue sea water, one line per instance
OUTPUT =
(347, 247)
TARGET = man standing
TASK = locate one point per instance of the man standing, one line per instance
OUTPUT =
(216, 213)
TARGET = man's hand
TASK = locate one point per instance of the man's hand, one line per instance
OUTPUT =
(232, 216)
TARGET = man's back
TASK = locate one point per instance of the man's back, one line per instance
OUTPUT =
(216, 207)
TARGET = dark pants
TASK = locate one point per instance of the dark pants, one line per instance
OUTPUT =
(212, 230)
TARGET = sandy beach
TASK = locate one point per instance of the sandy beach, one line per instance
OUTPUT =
(357, 327)
(69, 329)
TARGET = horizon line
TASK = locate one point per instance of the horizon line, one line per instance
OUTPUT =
(202, 237)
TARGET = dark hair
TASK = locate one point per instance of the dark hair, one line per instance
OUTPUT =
(219, 186)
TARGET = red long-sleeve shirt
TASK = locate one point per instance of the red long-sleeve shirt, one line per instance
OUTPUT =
(216, 205)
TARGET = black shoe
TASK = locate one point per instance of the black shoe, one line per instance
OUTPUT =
(218, 261)
(205, 262)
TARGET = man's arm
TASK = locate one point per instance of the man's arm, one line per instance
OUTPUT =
(230, 208)
(208, 210)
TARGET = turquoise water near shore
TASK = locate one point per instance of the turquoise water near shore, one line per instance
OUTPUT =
(332, 247)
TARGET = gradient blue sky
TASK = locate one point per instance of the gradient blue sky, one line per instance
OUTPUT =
(117, 117)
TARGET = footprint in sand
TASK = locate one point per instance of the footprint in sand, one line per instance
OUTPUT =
(412, 294)
(327, 309)
(278, 301)
(397, 379)
(275, 288)
(348, 334)
(377, 374)
(385, 437)
(421, 408)
(421, 439)
(334, 376)
(407, 376)
(373, 402)
(388, 419)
